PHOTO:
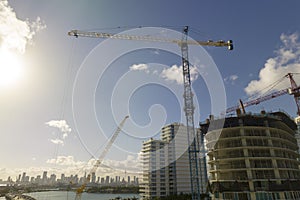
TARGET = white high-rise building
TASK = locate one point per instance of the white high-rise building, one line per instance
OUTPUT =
(166, 169)
(153, 161)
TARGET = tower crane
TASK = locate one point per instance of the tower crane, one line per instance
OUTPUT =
(80, 190)
(188, 95)
(293, 90)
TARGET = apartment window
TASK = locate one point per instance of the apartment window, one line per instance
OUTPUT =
(263, 174)
(259, 152)
(261, 164)
(255, 132)
(257, 142)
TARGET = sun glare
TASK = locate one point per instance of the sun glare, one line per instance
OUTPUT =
(10, 68)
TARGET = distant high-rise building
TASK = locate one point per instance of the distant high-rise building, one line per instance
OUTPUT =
(19, 178)
(107, 180)
(165, 162)
(23, 177)
(44, 179)
(102, 180)
(52, 179)
(62, 178)
(253, 157)
(38, 179)
(26, 179)
(9, 179)
(74, 179)
(123, 181)
(137, 181)
(93, 177)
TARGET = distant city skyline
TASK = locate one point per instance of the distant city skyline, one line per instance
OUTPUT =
(53, 179)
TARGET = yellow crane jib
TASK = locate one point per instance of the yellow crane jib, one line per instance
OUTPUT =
(81, 189)
(220, 43)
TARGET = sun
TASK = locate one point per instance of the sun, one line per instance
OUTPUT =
(11, 68)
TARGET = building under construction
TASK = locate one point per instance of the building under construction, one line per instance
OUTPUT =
(255, 156)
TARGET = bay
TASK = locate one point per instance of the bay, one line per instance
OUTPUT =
(63, 195)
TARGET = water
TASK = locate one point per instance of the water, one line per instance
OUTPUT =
(62, 195)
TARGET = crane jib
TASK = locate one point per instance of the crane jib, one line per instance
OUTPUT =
(219, 43)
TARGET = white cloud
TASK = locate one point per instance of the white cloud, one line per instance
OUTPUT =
(61, 125)
(286, 60)
(139, 67)
(57, 141)
(131, 164)
(15, 33)
(174, 73)
(231, 79)
(64, 161)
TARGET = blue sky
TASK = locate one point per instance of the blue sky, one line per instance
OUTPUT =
(266, 42)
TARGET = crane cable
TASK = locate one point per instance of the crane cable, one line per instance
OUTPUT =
(68, 81)
(195, 31)
(67, 86)
(267, 88)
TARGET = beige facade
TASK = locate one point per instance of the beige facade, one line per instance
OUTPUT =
(170, 157)
(153, 181)
(254, 157)
(297, 121)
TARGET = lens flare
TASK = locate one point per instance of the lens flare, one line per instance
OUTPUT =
(11, 68)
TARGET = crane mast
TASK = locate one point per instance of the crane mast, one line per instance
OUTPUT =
(189, 113)
(188, 95)
(80, 190)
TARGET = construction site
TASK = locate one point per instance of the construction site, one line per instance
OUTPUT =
(250, 156)
(237, 156)
(150, 100)
(255, 156)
